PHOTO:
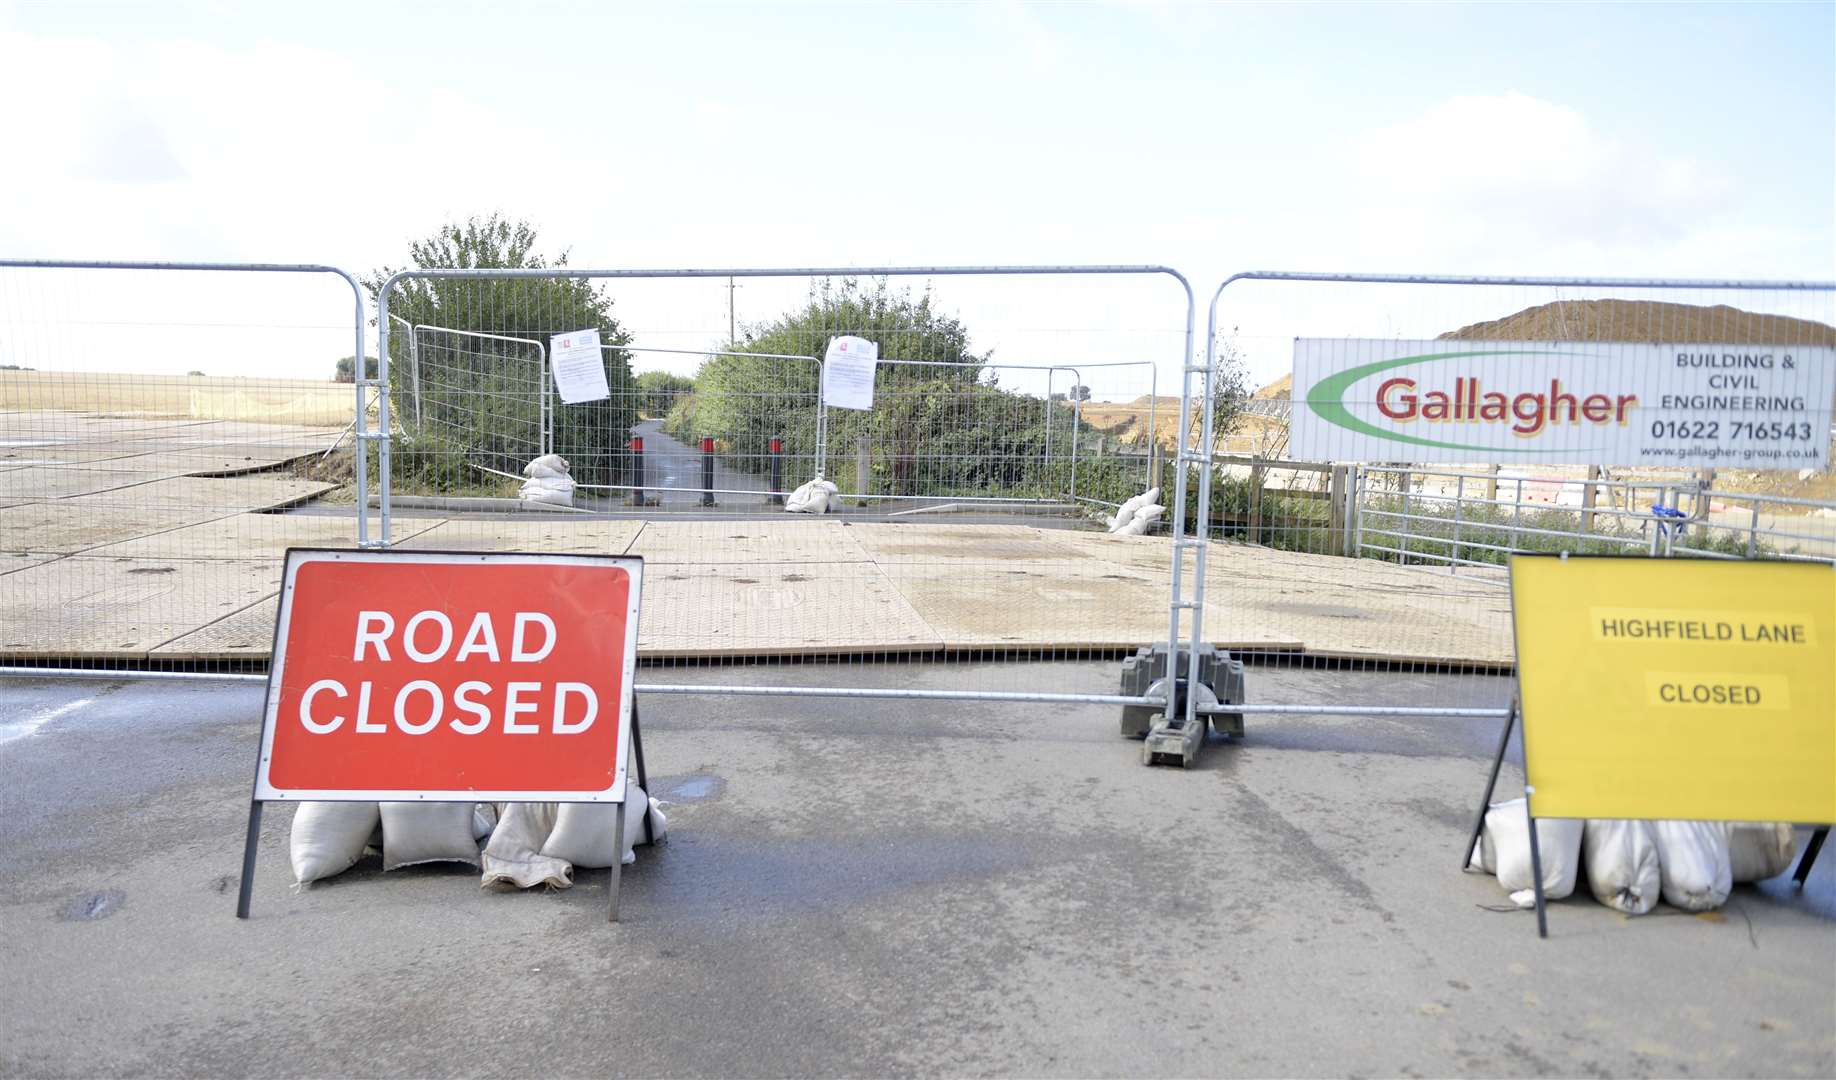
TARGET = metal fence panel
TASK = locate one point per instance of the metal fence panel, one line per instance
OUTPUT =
(165, 432)
(1403, 564)
(1014, 411)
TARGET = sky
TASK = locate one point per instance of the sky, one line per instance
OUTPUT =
(1564, 139)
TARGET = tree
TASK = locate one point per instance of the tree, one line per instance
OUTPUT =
(346, 370)
(939, 426)
(483, 397)
(745, 401)
(658, 392)
(1080, 392)
(1229, 389)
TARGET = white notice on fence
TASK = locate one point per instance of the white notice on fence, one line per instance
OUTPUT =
(579, 367)
(847, 373)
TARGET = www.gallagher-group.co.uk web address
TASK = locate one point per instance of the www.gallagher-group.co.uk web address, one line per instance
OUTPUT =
(1732, 453)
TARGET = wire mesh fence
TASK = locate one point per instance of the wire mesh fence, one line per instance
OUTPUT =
(164, 435)
(168, 433)
(963, 515)
(1405, 564)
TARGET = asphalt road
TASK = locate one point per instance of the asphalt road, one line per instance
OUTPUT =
(887, 888)
(673, 469)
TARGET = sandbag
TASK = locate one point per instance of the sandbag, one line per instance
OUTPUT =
(546, 466)
(1558, 844)
(513, 859)
(1759, 851)
(425, 832)
(329, 838)
(484, 819)
(1126, 512)
(583, 832)
(1693, 859)
(810, 498)
(1143, 521)
(554, 490)
(1622, 864)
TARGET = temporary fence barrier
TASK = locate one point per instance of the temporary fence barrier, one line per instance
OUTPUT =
(1354, 562)
(960, 523)
(156, 420)
(1399, 564)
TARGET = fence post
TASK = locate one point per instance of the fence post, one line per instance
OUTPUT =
(637, 470)
(1255, 501)
(1459, 505)
(1408, 515)
(777, 472)
(1517, 512)
(1704, 505)
(1336, 508)
(1354, 514)
(1491, 483)
(1587, 498)
(863, 463)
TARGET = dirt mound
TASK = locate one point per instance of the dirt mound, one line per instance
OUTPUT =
(1646, 320)
(1280, 388)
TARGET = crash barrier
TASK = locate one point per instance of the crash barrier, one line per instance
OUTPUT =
(166, 431)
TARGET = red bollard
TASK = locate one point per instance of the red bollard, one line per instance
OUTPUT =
(637, 486)
(777, 472)
(707, 472)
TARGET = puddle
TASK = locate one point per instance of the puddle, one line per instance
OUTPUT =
(92, 906)
(687, 789)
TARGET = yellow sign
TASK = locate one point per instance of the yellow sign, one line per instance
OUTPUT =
(1677, 688)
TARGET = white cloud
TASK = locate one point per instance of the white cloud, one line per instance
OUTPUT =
(1531, 179)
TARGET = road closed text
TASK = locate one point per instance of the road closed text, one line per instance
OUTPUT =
(1720, 690)
(418, 706)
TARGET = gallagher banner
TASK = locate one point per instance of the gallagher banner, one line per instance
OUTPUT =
(1588, 403)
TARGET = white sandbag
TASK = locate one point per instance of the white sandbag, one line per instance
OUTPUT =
(1622, 864)
(810, 498)
(1693, 859)
(555, 490)
(583, 833)
(659, 824)
(546, 466)
(1558, 843)
(329, 838)
(1126, 512)
(1759, 851)
(484, 819)
(1143, 521)
(424, 832)
(514, 860)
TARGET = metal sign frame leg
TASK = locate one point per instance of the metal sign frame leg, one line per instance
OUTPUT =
(1536, 866)
(1811, 851)
(1491, 785)
(249, 845)
(650, 838)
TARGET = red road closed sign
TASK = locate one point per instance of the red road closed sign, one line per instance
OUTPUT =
(404, 675)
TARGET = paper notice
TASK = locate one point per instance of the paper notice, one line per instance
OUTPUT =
(847, 373)
(579, 367)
